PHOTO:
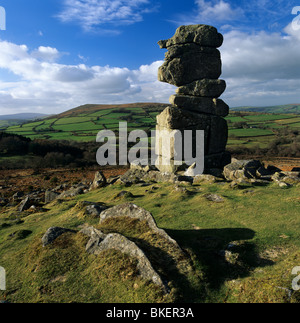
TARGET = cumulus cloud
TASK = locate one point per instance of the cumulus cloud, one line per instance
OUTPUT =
(92, 13)
(218, 10)
(46, 53)
(42, 84)
(261, 68)
(210, 12)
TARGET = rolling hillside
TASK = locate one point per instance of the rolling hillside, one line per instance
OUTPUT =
(84, 122)
(288, 108)
(18, 119)
(247, 129)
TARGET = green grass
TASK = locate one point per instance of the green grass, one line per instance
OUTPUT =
(250, 132)
(258, 219)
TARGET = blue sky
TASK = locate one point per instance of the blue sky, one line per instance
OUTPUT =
(58, 54)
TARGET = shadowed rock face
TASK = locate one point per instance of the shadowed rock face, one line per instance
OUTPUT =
(203, 88)
(190, 67)
(193, 63)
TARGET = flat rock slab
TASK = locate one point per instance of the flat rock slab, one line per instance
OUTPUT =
(100, 242)
(200, 104)
(203, 88)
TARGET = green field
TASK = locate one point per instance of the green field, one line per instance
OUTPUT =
(283, 109)
(82, 124)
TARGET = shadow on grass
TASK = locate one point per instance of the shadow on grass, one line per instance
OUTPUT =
(221, 254)
(177, 272)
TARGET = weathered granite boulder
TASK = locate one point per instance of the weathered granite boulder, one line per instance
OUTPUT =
(244, 169)
(73, 191)
(200, 104)
(176, 119)
(214, 198)
(99, 181)
(206, 178)
(124, 194)
(190, 67)
(95, 210)
(203, 88)
(100, 242)
(202, 35)
(50, 196)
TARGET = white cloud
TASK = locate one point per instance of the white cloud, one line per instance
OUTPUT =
(45, 85)
(217, 10)
(211, 13)
(46, 53)
(92, 13)
(261, 68)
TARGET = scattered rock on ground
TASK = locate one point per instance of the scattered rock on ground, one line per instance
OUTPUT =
(204, 178)
(73, 191)
(214, 198)
(125, 194)
(95, 210)
(99, 181)
(24, 205)
(50, 196)
(244, 169)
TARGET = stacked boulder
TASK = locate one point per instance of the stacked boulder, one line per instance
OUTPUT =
(193, 64)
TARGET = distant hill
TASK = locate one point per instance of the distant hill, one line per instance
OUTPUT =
(92, 108)
(287, 108)
(18, 119)
(84, 122)
(23, 116)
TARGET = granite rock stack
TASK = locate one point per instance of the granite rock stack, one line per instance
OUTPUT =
(193, 64)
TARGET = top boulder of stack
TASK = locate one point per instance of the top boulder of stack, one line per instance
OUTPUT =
(202, 35)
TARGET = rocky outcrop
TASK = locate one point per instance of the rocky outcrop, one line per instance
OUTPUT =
(254, 172)
(100, 242)
(193, 63)
(243, 169)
